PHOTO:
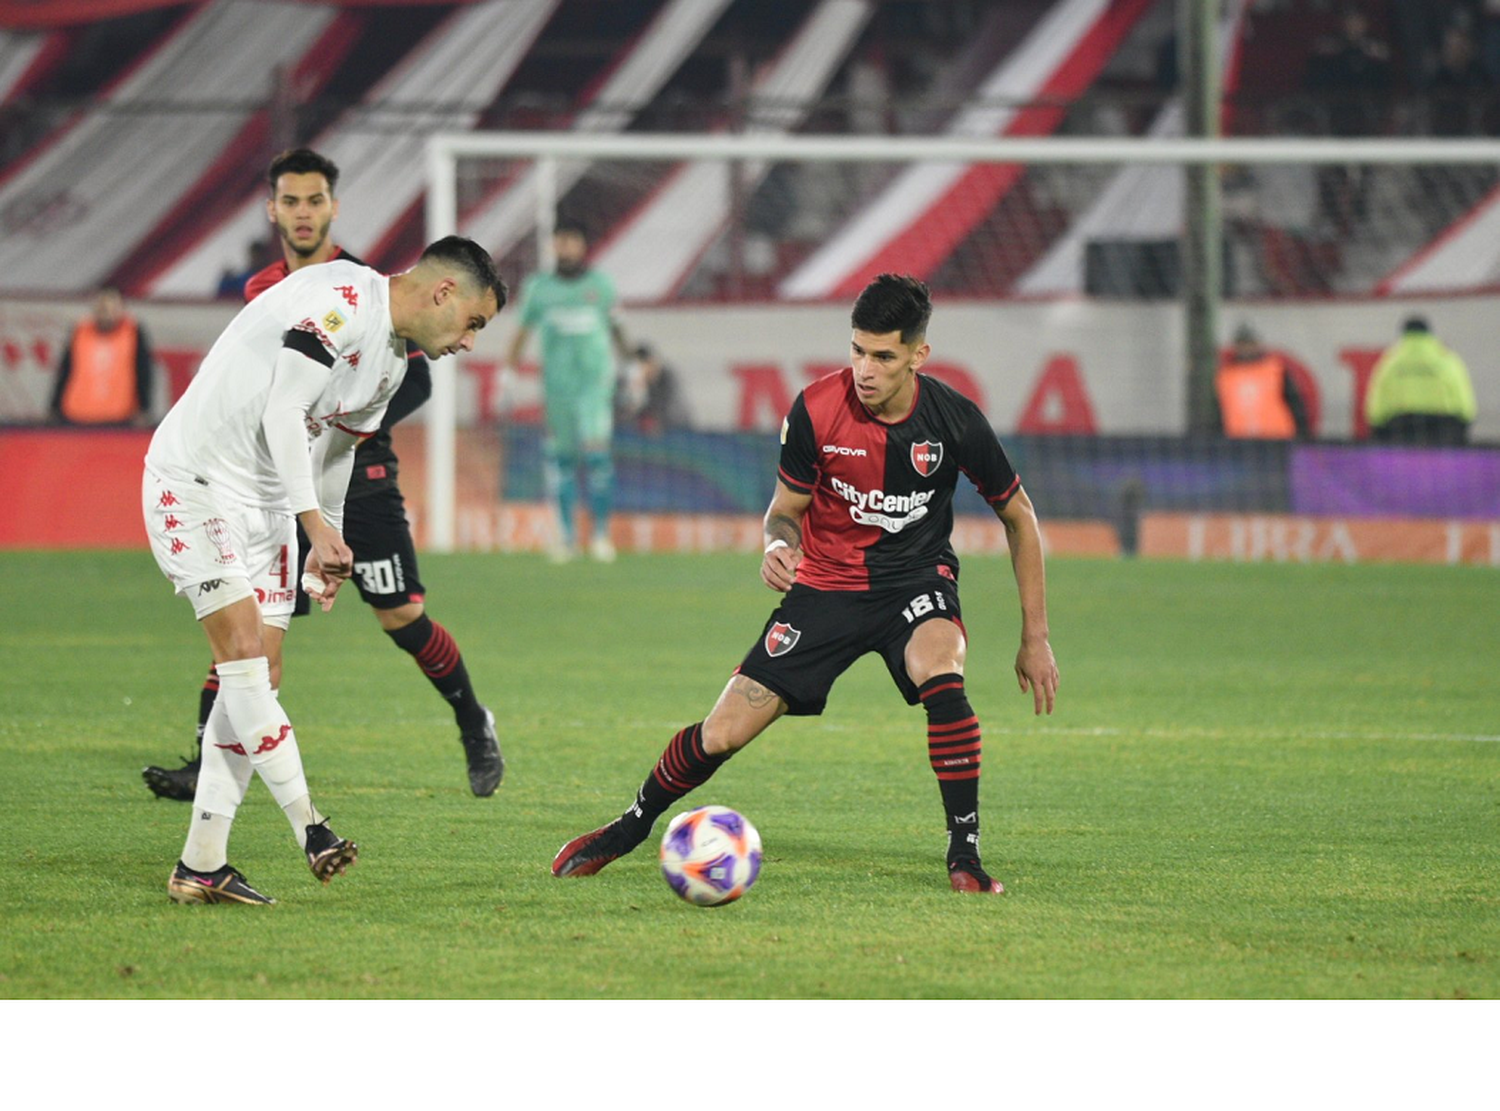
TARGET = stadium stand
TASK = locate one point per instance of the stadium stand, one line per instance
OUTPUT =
(1465, 255)
(508, 214)
(78, 206)
(922, 215)
(21, 53)
(448, 85)
(654, 252)
(1056, 282)
(1140, 204)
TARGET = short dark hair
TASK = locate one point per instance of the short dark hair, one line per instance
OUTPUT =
(301, 160)
(1416, 324)
(570, 225)
(474, 260)
(893, 303)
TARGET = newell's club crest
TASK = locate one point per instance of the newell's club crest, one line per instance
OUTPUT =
(927, 457)
(782, 639)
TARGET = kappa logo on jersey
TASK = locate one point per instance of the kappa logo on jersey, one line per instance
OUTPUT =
(334, 320)
(837, 449)
(927, 457)
(352, 358)
(892, 512)
(348, 293)
(167, 498)
(782, 639)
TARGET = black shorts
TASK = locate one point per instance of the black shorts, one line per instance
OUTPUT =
(815, 635)
(385, 559)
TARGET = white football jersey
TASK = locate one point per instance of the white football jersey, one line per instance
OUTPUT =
(213, 432)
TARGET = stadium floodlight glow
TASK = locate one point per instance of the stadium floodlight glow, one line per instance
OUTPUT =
(547, 150)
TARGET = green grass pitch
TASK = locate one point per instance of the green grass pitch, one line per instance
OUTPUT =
(1261, 782)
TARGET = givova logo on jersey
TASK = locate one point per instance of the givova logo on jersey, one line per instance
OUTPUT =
(927, 457)
(781, 639)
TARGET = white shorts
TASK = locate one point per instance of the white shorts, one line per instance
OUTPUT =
(216, 552)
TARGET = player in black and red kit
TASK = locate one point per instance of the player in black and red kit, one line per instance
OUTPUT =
(858, 536)
(302, 206)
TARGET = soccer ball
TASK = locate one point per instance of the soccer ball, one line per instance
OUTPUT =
(710, 856)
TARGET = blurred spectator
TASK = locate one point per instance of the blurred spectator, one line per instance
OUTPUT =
(1458, 87)
(1352, 76)
(105, 374)
(650, 397)
(1256, 395)
(1353, 72)
(232, 282)
(1420, 393)
(1489, 37)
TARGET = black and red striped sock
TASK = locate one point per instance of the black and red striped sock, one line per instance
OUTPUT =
(953, 747)
(206, 698)
(437, 654)
(683, 766)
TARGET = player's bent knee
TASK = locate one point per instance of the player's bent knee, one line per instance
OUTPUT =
(399, 617)
(936, 648)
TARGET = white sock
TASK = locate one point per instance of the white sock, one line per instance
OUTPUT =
(267, 737)
(225, 771)
(207, 848)
(223, 778)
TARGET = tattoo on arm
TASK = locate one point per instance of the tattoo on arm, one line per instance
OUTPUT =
(781, 527)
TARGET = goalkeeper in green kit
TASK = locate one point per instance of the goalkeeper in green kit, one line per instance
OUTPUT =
(574, 309)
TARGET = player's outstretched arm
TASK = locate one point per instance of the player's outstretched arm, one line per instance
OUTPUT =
(783, 537)
(1036, 668)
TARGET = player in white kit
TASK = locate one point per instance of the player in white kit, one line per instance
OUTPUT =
(264, 437)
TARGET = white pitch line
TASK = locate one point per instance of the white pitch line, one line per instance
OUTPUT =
(1203, 734)
(1223, 734)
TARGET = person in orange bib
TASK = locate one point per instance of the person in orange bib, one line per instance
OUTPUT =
(104, 376)
(1258, 398)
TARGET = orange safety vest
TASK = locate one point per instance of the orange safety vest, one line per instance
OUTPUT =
(1251, 399)
(101, 388)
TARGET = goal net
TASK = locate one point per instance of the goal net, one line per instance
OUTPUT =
(1066, 297)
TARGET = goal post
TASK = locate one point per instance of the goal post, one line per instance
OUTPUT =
(550, 154)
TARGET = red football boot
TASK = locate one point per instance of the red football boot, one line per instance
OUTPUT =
(968, 876)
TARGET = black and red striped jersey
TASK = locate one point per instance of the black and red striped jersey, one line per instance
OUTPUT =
(375, 464)
(882, 494)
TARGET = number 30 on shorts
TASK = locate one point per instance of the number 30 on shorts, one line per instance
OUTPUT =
(378, 576)
(922, 605)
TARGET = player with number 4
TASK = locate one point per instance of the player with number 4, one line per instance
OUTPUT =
(859, 539)
(263, 438)
(303, 205)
